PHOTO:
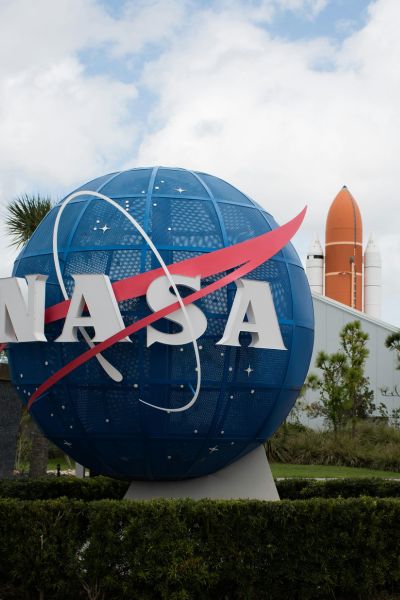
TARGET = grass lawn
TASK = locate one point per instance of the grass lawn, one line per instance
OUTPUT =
(53, 462)
(280, 470)
(289, 470)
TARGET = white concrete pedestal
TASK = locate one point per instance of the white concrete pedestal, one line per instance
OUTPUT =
(248, 478)
(79, 470)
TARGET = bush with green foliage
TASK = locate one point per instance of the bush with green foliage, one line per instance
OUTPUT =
(393, 343)
(374, 445)
(345, 393)
(185, 550)
(102, 488)
(47, 488)
(301, 489)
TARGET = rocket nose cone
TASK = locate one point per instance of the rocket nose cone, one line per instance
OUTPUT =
(344, 223)
(372, 246)
(315, 248)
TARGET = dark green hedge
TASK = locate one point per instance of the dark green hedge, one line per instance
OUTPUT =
(99, 488)
(297, 489)
(96, 488)
(179, 550)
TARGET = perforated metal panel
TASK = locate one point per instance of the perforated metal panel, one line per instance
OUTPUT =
(245, 392)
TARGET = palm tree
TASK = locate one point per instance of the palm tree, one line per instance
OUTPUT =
(23, 215)
(393, 343)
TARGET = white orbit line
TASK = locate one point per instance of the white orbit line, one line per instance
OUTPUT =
(111, 371)
(107, 366)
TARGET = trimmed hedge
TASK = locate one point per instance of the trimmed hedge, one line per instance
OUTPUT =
(99, 488)
(185, 550)
(96, 488)
(297, 489)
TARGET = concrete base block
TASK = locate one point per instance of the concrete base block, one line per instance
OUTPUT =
(248, 478)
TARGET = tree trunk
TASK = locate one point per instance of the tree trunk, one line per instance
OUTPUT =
(10, 416)
(39, 454)
(353, 427)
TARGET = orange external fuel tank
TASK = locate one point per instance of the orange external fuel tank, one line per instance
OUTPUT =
(343, 251)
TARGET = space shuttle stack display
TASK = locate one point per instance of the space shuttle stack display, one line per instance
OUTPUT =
(343, 274)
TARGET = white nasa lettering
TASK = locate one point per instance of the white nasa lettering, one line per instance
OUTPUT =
(22, 305)
(254, 300)
(159, 296)
(96, 293)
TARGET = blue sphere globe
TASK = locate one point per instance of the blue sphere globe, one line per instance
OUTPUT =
(245, 392)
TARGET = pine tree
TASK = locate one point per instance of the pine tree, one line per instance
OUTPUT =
(344, 389)
(353, 341)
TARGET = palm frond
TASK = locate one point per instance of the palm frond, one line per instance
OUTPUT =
(24, 214)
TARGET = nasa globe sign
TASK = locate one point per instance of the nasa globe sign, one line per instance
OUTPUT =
(159, 324)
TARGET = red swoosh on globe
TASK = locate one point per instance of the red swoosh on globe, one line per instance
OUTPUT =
(246, 256)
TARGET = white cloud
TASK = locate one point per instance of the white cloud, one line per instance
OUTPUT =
(266, 10)
(261, 112)
(145, 22)
(310, 8)
(59, 125)
(288, 122)
(41, 33)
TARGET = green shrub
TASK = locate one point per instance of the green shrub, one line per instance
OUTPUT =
(297, 489)
(185, 550)
(100, 488)
(95, 488)
(375, 446)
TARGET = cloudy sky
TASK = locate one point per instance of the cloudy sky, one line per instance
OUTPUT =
(286, 99)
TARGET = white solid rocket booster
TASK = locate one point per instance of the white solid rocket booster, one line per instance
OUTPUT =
(372, 279)
(315, 267)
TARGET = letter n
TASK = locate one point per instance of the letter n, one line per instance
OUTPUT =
(22, 305)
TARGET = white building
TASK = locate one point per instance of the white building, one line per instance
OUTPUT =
(381, 364)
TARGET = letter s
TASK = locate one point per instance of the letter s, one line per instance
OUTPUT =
(159, 296)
